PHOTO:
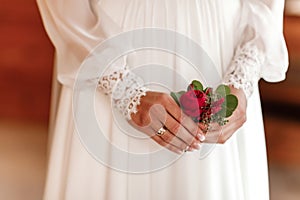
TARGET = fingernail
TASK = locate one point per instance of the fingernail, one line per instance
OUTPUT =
(191, 150)
(196, 146)
(201, 137)
(199, 146)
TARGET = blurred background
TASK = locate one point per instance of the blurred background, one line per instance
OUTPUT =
(26, 60)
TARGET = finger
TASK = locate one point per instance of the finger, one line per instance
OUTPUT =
(192, 127)
(179, 131)
(149, 131)
(161, 142)
(159, 113)
(213, 132)
(203, 127)
(169, 138)
(222, 134)
(196, 147)
(213, 137)
(174, 110)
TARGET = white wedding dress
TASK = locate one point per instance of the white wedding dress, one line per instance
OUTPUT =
(236, 170)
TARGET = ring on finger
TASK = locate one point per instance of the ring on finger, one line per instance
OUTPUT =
(161, 131)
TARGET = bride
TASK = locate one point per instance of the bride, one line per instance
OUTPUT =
(115, 132)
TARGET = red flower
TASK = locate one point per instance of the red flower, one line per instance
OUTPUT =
(193, 102)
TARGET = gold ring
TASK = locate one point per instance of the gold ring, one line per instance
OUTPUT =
(161, 131)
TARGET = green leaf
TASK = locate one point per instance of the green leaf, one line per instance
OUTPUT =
(228, 106)
(228, 113)
(197, 85)
(176, 96)
(223, 113)
(223, 90)
(231, 102)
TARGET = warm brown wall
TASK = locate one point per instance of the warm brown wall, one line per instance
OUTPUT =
(26, 56)
(281, 104)
(290, 88)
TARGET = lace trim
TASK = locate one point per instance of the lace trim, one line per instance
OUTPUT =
(245, 69)
(126, 90)
(107, 83)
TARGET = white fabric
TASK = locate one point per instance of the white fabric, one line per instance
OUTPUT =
(126, 90)
(235, 170)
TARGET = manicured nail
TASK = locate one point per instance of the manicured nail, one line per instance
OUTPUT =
(201, 137)
(199, 146)
(195, 146)
(190, 149)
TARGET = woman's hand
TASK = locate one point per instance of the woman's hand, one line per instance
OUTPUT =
(217, 134)
(159, 110)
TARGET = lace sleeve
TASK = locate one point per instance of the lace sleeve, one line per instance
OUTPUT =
(125, 88)
(261, 51)
(244, 71)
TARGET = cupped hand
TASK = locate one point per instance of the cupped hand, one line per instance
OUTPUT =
(158, 110)
(217, 134)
